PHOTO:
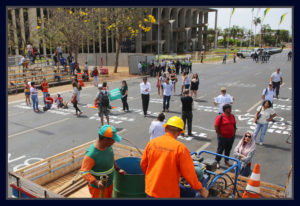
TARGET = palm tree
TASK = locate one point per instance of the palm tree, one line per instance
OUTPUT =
(256, 21)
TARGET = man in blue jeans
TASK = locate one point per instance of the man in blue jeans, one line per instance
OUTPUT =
(168, 88)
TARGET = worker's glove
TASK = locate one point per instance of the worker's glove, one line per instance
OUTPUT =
(204, 192)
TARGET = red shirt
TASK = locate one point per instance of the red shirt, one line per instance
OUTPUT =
(227, 125)
(95, 72)
(49, 98)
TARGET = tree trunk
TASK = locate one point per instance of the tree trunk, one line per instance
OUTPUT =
(119, 39)
(22, 27)
(106, 35)
(32, 20)
(43, 38)
(14, 26)
(50, 43)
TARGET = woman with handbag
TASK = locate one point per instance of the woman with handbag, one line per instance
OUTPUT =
(244, 151)
(75, 98)
(264, 114)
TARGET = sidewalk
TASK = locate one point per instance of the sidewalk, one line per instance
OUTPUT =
(123, 73)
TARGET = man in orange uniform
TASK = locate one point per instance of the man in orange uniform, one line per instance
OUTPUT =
(99, 161)
(165, 160)
(79, 77)
(45, 86)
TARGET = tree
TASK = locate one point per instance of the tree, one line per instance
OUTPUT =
(127, 22)
(256, 21)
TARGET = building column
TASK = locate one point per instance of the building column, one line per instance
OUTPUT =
(14, 26)
(205, 29)
(138, 42)
(200, 31)
(216, 31)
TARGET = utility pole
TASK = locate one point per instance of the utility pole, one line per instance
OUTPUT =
(158, 17)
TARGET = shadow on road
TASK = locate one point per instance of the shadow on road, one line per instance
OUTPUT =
(275, 147)
(200, 138)
(41, 131)
(200, 100)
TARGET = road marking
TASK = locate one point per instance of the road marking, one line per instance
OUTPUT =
(29, 130)
(257, 73)
(14, 114)
(203, 128)
(203, 147)
(255, 105)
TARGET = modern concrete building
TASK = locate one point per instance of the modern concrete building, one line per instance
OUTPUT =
(181, 30)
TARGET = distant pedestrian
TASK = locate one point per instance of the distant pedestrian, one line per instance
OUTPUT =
(224, 59)
(124, 92)
(158, 83)
(49, 101)
(276, 79)
(56, 76)
(103, 102)
(45, 87)
(173, 78)
(202, 57)
(244, 151)
(72, 67)
(75, 98)
(140, 68)
(290, 56)
(163, 65)
(225, 126)
(223, 99)
(145, 88)
(234, 58)
(187, 81)
(177, 65)
(268, 93)
(168, 88)
(29, 51)
(162, 79)
(156, 128)
(27, 92)
(264, 114)
(59, 50)
(34, 97)
(60, 102)
(55, 58)
(85, 75)
(194, 85)
(187, 111)
(95, 75)
(70, 59)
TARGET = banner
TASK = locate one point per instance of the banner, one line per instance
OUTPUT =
(115, 94)
(282, 18)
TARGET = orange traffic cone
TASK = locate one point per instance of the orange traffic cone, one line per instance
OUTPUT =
(253, 184)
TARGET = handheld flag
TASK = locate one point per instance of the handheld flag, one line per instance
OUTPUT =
(265, 12)
(282, 18)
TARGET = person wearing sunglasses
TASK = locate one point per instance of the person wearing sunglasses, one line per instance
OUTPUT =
(244, 151)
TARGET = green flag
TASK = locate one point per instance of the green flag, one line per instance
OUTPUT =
(282, 18)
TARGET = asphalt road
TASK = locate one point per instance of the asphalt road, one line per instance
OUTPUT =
(33, 136)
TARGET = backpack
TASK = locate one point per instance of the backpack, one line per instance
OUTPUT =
(104, 100)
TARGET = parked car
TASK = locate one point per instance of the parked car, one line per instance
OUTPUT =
(243, 53)
(257, 50)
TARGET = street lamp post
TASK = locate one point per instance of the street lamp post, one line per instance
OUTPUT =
(171, 35)
(187, 39)
(194, 40)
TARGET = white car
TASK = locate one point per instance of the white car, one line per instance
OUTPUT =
(244, 53)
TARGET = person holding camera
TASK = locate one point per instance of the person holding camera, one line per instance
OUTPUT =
(264, 114)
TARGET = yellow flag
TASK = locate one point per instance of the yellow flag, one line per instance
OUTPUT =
(233, 10)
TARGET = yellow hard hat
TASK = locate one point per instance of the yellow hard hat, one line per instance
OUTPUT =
(175, 122)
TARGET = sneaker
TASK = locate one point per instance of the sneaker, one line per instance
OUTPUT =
(261, 143)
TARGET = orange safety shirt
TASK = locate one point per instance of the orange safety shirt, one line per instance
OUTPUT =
(45, 86)
(79, 76)
(163, 162)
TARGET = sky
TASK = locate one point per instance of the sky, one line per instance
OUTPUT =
(242, 18)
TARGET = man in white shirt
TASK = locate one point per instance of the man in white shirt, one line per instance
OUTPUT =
(156, 128)
(223, 99)
(276, 79)
(168, 88)
(268, 93)
(145, 88)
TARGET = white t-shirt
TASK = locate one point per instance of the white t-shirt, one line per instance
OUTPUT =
(222, 100)
(269, 95)
(156, 129)
(33, 91)
(167, 89)
(29, 47)
(77, 92)
(265, 114)
(139, 65)
(276, 77)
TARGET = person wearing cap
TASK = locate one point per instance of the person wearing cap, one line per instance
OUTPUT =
(99, 161)
(165, 160)
(223, 99)
(145, 88)
(276, 79)
(268, 93)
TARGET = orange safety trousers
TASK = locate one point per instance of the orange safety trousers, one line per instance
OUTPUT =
(95, 192)
(81, 83)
